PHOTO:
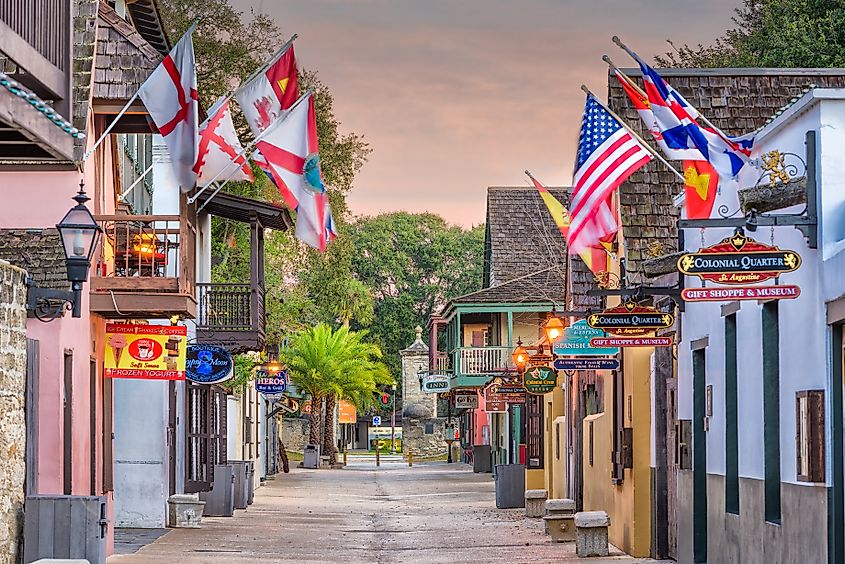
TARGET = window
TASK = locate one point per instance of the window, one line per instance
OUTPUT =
(809, 435)
(429, 428)
(731, 419)
(67, 447)
(534, 431)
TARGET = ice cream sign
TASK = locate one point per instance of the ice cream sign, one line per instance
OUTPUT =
(151, 352)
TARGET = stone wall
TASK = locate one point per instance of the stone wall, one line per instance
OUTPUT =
(414, 437)
(12, 414)
(295, 433)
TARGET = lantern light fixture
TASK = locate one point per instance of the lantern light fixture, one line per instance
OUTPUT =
(554, 328)
(520, 356)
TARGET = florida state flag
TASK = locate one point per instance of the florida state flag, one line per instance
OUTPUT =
(265, 97)
(701, 182)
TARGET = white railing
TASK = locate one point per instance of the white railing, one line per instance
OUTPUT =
(484, 360)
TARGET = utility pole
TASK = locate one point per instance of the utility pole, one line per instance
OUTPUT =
(393, 424)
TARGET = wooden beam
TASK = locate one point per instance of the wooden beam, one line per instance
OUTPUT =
(36, 65)
(142, 305)
(35, 126)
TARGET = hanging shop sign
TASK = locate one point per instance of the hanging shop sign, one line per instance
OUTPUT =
(466, 399)
(290, 405)
(346, 413)
(207, 364)
(586, 363)
(739, 260)
(271, 384)
(722, 294)
(150, 352)
(634, 342)
(506, 393)
(495, 405)
(436, 383)
(576, 341)
(628, 320)
(540, 380)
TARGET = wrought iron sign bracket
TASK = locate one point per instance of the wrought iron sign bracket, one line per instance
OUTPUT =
(47, 304)
(806, 222)
(639, 292)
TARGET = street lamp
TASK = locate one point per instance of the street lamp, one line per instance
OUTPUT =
(393, 423)
(79, 234)
(520, 356)
(554, 328)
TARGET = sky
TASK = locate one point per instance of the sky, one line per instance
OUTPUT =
(457, 95)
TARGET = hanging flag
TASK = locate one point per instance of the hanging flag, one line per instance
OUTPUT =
(607, 155)
(170, 96)
(594, 258)
(679, 125)
(290, 157)
(265, 97)
(218, 147)
(700, 186)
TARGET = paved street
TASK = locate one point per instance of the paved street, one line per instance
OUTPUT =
(429, 513)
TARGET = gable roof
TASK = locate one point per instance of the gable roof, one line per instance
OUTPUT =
(544, 286)
(147, 21)
(521, 236)
(737, 100)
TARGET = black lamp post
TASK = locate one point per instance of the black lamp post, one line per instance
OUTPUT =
(79, 233)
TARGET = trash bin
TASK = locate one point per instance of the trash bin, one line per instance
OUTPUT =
(481, 458)
(220, 501)
(250, 482)
(510, 486)
(241, 492)
(311, 456)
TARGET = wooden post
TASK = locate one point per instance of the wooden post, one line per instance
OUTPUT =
(344, 457)
(410, 458)
(378, 455)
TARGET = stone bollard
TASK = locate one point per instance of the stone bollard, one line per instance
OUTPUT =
(591, 533)
(534, 501)
(560, 519)
(184, 511)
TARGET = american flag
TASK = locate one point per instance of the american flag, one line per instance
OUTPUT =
(607, 155)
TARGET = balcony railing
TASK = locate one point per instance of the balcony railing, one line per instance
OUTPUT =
(231, 315)
(483, 360)
(440, 363)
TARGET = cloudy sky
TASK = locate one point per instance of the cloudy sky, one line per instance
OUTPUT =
(457, 95)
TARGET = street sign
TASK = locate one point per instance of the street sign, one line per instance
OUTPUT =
(634, 342)
(540, 380)
(722, 294)
(576, 341)
(346, 413)
(376, 420)
(436, 383)
(739, 260)
(271, 384)
(207, 364)
(586, 364)
(466, 399)
(629, 320)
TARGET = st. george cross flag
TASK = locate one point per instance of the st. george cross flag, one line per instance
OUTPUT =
(681, 127)
(594, 258)
(170, 96)
(218, 147)
(290, 157)
(265, 97)
(607, 155)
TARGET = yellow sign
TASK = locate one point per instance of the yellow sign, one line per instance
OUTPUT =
(151, 352)
(346, 412)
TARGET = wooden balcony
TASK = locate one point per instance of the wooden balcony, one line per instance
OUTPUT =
(146, 268)
(231, 315)
(482, 361)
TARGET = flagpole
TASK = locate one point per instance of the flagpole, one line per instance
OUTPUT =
(137, 181)
(647, 147)
(276, 56)
(248, 149)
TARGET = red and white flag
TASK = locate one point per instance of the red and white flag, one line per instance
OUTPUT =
(170, 96)
(265, 97)
(289, 154)
(219, 146)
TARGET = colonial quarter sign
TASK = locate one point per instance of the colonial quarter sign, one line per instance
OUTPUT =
(630, 320)
(739, 260)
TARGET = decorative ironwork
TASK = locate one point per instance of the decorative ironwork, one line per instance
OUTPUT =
(779, 167)
(655, 249)
(606, 280)
(46, 304)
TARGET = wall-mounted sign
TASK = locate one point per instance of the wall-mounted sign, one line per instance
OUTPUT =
(436, 383)
(785, 292)
(466, 399)
(493, 404)
(271, 384)
(576, 341)
(586, 364)
(207, 364)
(151, 352)
(634, 342)
(346, 413)
(739, 260)
(507, 393)
(540, 380)
(628, 320)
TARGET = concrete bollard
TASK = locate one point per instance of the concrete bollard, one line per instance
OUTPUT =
(591, 533)
(410, 458)
(534, 502)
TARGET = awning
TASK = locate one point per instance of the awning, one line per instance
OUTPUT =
(243, 209)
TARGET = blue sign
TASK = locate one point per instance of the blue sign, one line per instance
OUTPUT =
(207, 364)
(376, 420)
(271, 384)
(576, 341)
(586, 364)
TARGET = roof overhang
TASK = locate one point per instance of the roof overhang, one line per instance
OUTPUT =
(239, 208)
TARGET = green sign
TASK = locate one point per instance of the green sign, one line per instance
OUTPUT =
(576, 341)
(540, 380)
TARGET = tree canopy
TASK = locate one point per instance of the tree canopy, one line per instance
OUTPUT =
(773, 33)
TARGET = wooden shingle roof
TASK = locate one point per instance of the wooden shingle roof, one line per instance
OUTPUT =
(39, 252)
(544, 286)
(124, 58)
(737, 100)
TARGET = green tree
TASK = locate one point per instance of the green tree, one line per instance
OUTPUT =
(773, 33)
(413, 264)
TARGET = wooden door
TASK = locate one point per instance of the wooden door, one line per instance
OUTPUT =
(672, 464)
